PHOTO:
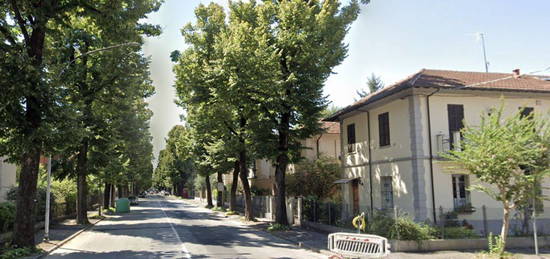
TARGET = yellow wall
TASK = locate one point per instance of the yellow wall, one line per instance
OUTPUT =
(7, 177)
(397, 159)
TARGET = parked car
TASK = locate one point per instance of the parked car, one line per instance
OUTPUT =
(133, 200)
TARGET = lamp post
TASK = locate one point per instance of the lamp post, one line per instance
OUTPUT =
(48, 189)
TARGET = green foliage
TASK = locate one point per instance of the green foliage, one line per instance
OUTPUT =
(278, 227)
(374, 83)
(39, 205)
(314, 178)
(496, 248)
(457, 233)
(7, 216)
(18, 252)
(402, 228)
(508, 155)
(220, 209)
(230, 213)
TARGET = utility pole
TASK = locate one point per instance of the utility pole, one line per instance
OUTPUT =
(48, 190)
(485, 62)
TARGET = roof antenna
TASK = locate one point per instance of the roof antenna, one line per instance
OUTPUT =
(481, 36)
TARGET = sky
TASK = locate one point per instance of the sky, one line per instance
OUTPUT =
(391, 38)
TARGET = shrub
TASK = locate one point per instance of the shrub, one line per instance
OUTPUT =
(13, 252)
(7, 216)
(402, 228)
(314, 178)
(277, 227)
(406, 229)
(40, 206)
(457, 232)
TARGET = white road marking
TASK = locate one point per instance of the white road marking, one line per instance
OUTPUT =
(183, 248)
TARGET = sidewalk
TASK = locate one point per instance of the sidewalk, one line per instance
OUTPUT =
(61, 232)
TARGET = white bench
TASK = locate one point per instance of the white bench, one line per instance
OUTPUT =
(349, 245)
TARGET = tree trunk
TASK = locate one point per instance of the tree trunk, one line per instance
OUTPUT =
(106, 196)
(220, 192)
(26, 194)
(208, 192)
(243, 174)
(234, 185)
(280, 171)
(82, 185)
(505, 226)
(113, 197)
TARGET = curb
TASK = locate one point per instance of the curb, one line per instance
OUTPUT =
(71, 237)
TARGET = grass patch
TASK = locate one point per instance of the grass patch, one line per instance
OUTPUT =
(278, 227)
(12, 252)
(96, 216)
(230, 213)
(221, 209)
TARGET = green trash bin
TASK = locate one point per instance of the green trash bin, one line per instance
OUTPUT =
(122, 205)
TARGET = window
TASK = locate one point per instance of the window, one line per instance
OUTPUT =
(351, 137)
(387, 192)
(526, 111)
(461, 197)
(455, 114)
(384, 129)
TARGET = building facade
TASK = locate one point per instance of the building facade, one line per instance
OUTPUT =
(392, 143)
(262, 174)
(8, 174)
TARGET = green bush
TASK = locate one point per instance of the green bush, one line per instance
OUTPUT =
(406, 229)
(457, 232)
(40, 205)
(12, 253)
(403, 228)
(7, 216)
(278, 227)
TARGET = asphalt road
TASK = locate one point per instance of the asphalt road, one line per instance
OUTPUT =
(160, 228)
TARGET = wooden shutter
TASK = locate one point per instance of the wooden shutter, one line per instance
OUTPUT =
(351, 134)
(526, 111)
(455, 114)
(384, 129)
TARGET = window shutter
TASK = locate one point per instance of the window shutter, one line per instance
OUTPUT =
(455, 114)
(384, 129)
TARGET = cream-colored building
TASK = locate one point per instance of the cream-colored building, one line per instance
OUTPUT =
(392, 141)
(8, 173)
(262, 175)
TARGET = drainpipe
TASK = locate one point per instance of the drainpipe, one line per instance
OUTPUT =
(370, 164)
(431, 153)
(319, 138)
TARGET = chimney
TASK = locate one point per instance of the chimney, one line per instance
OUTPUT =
(516, 73)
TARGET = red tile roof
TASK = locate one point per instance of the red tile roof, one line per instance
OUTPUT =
(458, 80)
(331, 127)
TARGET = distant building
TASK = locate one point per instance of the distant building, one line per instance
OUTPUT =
(8, 177)
(326, 144)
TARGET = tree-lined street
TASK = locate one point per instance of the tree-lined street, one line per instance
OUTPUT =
(169, 228)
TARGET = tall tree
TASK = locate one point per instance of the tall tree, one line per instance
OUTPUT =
(307, 38)
(374, 83)
(35, 109)
(508, 155)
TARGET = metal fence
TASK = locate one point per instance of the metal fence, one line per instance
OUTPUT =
(448, 223)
